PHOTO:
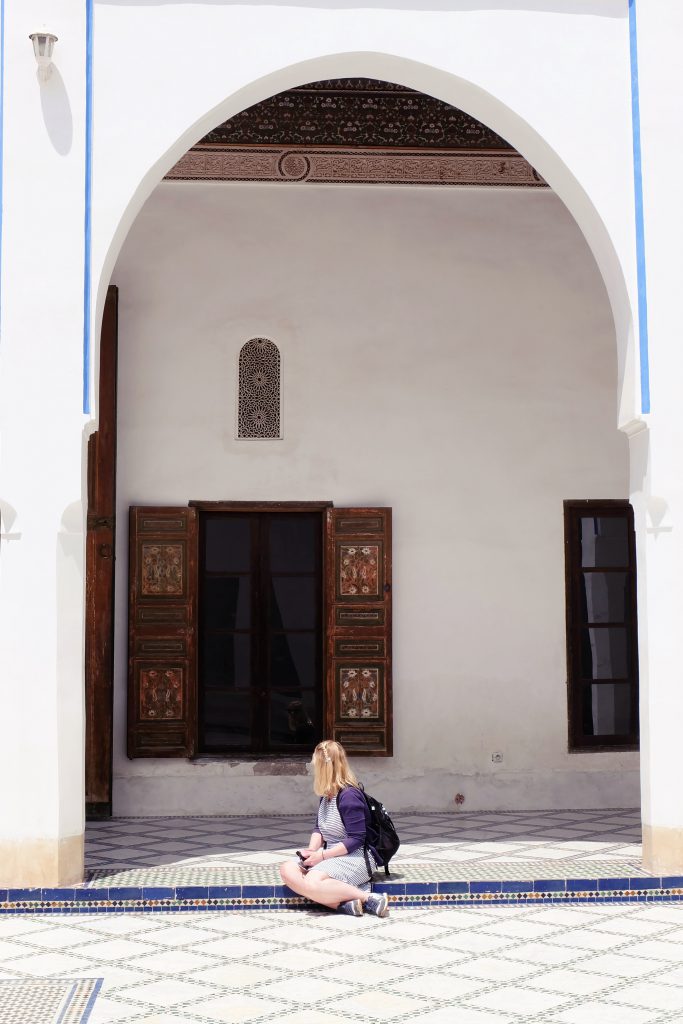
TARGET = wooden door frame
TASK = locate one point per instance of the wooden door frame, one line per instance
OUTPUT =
(99, 577)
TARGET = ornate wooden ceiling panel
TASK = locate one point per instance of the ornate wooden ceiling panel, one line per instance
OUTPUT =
(356, 130)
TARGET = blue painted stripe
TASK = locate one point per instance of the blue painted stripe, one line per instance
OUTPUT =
(91, 1002)
(2, 135)
(67, 1002)
(88, 204)
(640, 218)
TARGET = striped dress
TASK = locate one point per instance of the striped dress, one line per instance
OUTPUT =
(351, 868)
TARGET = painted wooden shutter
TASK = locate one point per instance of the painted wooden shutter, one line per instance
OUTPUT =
(162, 667)
(358, 600)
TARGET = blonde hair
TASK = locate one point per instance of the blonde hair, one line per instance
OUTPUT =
(331, 769)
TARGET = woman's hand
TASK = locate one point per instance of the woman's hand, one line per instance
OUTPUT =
(313, 857)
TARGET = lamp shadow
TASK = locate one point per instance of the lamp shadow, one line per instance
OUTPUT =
(57, 116)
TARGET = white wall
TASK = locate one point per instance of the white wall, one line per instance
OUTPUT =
(450, 353)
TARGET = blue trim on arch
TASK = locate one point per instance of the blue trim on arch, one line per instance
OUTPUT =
(87, 226)
(2, 133)
(640, 217)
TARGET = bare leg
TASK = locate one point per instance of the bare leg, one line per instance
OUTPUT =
(319, 887)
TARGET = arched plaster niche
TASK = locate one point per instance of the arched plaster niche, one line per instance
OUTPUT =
(459, 92)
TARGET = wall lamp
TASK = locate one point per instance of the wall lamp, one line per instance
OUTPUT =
(43, 45)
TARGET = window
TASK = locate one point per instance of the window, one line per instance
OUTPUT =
(258, 403)
(257, 627)
(602, 643)
(260, 631)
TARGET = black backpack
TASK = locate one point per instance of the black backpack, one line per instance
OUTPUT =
(383, 836)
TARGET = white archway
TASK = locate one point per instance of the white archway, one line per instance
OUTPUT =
(490, 109)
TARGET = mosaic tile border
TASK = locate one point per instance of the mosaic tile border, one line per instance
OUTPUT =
(73, 999)
(277, 897)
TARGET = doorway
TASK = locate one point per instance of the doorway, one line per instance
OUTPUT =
(260, 623)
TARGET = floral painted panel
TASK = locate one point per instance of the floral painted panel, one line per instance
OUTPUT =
(161, 693)
(359, 692)
(162, 569)
(359, 570)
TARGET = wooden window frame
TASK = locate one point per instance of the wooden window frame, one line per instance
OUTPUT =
(579, 742)
(356, 611)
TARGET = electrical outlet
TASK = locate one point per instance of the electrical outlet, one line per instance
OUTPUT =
(497, 758)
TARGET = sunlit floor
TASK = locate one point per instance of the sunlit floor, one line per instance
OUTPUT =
(501, 845)
(590, 964)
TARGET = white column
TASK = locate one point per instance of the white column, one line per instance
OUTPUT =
(657, 453)
(42, 465)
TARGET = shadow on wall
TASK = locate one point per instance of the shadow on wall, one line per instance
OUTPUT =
(57, 116)
(594, 8)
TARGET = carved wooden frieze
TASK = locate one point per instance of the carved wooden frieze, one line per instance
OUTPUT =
(356, 167)
(352, 112)
(356, 131)
(161, 693)
(162, 569)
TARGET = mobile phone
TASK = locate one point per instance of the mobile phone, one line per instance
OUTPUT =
(301, 861)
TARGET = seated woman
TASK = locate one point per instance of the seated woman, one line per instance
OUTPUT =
(335, 870)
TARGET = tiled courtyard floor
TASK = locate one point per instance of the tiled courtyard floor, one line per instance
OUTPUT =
(599, 963)
(209, 850)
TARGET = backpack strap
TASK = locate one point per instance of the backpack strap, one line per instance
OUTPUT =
(365, 845)
(367, 862)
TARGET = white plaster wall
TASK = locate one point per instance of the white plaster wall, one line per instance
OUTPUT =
(450, 353)
(41, 435)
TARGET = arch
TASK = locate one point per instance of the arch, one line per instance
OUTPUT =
(452, 89)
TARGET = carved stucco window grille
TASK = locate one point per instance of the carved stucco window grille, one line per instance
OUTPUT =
(258, 411)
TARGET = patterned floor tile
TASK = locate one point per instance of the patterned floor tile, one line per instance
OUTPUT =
(465, 1015)
(377, 1005)
(603, 1013)
(59, 1001)
(167, 992)
(237, 1010)
(309, 1016)
(419, 964)
(525, 1000)
(620, 965)
(650, 996)
(571, 982)
(48, 965)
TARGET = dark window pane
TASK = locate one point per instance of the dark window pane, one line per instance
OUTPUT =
(604, 541)
(293, 542)
(228, 720)
(607, 709)
(604, 653)
(226, 662)
(604, 596)
(226, 602)
(292, 718)
(293, 660)
(293, 602)
(228, 544)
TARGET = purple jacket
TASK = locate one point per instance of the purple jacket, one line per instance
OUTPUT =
(355, 816)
